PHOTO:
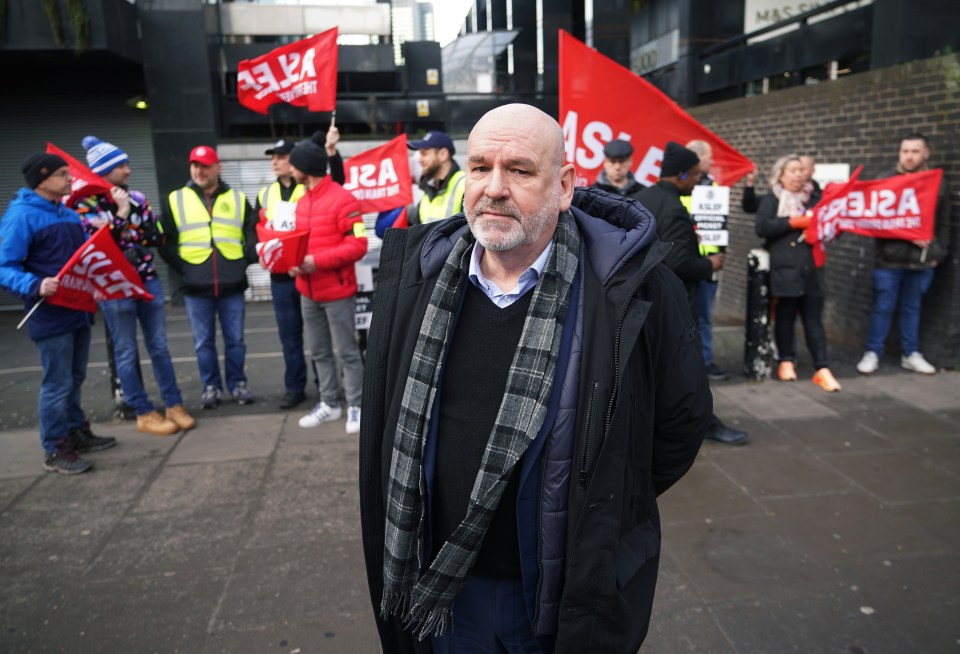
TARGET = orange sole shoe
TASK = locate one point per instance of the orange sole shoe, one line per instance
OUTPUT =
(786, 371)
(825, 380)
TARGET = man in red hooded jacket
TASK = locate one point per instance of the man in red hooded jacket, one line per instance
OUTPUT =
(327, 280)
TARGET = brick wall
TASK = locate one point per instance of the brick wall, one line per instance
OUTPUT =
(857, 119)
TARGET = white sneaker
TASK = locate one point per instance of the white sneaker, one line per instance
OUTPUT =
(869, 363)
(917, 363)
(321, 413)
(353, 420)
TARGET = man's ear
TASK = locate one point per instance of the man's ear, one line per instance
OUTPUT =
(568, 178)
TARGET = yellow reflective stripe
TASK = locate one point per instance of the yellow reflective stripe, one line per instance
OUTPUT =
(452, 201)
(224, 221)
(359, 230)
(238, 202)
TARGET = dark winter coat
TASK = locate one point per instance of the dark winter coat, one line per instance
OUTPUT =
(898, 253)
(642, 407)
(37, 237)
(792, 270)
(675, 225)
(631, 190)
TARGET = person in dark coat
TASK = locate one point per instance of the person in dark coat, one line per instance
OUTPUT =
(795, 280)
(617, 174)
(540, 529)
(679, 173)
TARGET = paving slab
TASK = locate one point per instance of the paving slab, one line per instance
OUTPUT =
(238, 437)
(899, 476)
(774, 401)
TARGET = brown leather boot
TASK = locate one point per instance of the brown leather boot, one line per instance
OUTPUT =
(154, 423)
(180, 416)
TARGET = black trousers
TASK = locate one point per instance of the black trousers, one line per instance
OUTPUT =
(810, 308)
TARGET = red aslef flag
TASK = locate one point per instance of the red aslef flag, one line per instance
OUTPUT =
(303, 74)
(601, 100)
(380, 178)
(279, 251)
(85, 181)
(97, 271)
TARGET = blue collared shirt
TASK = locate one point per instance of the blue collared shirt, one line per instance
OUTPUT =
(528, 279)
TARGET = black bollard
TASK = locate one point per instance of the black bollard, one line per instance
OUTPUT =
(756, 346)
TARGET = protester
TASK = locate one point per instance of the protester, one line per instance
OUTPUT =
(795, 280)
(38, 235)
(210, 238)
(327, 281)
(505, 449)
(134, 229)
(749, 202)
(441, 179)
(617, 174)
(706, 291)
(679, 173)
(276, 204)
(903, 271)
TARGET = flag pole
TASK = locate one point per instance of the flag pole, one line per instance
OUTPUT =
(30, 312)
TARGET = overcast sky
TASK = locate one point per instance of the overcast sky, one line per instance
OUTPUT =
(448, 16)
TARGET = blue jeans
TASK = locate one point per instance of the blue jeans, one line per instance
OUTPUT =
(489, 616)
(706, 293)
(202, 312)
(122, 317)
(64, 360)
(286, 307)
(893, 287)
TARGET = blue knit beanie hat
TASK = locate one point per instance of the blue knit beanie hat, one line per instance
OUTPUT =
(102, 157)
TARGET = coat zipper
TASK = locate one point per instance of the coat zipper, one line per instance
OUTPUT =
(616, 346)
(616, 377)
(588, 427)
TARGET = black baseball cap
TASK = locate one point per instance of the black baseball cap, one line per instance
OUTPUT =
(433, 140)
(283, 146)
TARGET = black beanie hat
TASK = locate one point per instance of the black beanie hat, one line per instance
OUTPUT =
(39, 166)
(677, 159)
(310, 157)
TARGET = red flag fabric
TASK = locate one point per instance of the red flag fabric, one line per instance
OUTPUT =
(380, 178)
(601, 101)
(279, 251)
(824, 226)
(85, 181)
(97, 271)
(303, 74)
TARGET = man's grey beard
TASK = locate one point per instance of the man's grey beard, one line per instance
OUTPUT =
(523, 231)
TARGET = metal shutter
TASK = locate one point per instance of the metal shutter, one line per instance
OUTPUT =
(29, 120)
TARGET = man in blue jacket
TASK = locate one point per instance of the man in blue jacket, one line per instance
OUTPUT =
(534, 380)
(38, 235)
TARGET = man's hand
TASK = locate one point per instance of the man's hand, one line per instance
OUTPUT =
(49, 286)
(716, 261)
(308, 266)
(333, 137)
(122, 199)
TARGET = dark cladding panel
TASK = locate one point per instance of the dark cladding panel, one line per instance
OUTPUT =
(423, 72)
(180, 85)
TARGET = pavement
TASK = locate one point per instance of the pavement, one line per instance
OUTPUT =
(836, 529)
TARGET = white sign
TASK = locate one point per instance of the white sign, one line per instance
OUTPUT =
(285, 216)
(758, 14)
(710, 201)
(831, 173)
(719, 237)
(364, 277)
(655, 54)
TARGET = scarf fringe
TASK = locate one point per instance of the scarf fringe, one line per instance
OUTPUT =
(426, 621)
(393, 603)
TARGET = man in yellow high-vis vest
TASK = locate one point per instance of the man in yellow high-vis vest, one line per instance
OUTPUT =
(276, 205)
(441, 179)
(211, 235)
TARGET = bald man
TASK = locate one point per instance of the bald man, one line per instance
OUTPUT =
(511, 452)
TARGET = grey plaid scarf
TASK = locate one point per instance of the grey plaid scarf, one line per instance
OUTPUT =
(425, 603)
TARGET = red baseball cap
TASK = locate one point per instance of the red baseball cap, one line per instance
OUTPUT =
(204, 154)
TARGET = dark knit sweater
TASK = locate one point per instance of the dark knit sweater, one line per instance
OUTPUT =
(474, 379)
